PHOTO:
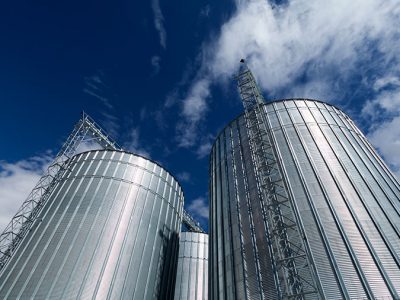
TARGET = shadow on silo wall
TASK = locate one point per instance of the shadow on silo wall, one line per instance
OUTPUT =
(165, 286)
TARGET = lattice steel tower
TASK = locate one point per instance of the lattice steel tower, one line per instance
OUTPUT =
(294, 273)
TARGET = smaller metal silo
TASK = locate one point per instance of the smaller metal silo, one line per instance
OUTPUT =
(192, 272)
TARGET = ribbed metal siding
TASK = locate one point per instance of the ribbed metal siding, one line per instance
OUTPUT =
(348, 201)
(109, 230)
(192, 272)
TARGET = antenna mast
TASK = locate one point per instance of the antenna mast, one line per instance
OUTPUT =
(294, 272)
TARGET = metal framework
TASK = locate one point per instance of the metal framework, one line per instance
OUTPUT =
(86, 130)
(294, 272)
(191, 224)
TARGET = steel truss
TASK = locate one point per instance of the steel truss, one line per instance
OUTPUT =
(294, 273)
(192, 224)
(86, 130)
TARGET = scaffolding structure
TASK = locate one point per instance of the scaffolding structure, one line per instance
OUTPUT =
(294, 271)
(85, 131)
(191, 223)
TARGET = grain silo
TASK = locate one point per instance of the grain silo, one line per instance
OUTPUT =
(109, 229)
(301, 206)
(192, 270)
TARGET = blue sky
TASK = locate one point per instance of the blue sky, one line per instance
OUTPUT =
(158, 75)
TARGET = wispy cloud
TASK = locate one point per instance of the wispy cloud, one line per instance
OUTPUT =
(97, 86)
(16, 181)
(204, 150)
(111, 124)
(159, 22)
(183, 176)
(386, 137)
(205, 146)
(383, 113)
(205, 11)
(134, 145)
(194, 109)
(129, 137)
(306, 48)
(199, 208)
(156, 64)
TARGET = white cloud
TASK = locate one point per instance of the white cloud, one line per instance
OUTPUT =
(306, 48)
(383, 112)
(194, 109)
(16, 181)
(204, 150)
(386, 137)
(321, 39)
(199, 207)
(388, 96)
(385, 104)
(205, 146)
(159, 22)
(195, 105)
(133, 143)
(183, 176)
(386, 81)
(87, 146)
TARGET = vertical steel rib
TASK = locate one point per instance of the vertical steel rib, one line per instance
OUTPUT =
(317, 218)
(229, 212)
(357, 221)
(234, 171)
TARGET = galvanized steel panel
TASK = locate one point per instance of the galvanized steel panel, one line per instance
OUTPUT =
(109, 230)
(192, 271)
(346, 197)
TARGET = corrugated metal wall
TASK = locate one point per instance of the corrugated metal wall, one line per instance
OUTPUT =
(192, 272)
(109, 230)
(347, 198)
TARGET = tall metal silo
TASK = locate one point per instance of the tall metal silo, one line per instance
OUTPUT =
(192, 271)
(343, 198)
(110, 230)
